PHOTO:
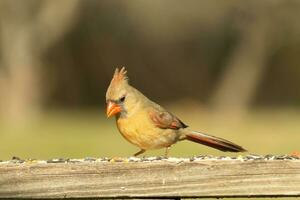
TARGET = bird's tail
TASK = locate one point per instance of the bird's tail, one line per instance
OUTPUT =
(212, 141)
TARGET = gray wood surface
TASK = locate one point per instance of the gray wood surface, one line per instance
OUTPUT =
(173, 177)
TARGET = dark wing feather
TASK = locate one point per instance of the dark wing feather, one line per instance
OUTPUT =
(166, 120)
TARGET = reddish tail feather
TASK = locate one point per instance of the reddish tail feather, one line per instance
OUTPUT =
(214, 142)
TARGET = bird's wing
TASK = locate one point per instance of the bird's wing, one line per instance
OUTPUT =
(166, 120)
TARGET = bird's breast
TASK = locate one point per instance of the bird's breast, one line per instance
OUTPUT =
(140, 131)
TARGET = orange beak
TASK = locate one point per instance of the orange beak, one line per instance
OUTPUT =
(112, 109)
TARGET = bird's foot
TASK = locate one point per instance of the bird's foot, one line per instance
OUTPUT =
(167, 152)
(139, 152)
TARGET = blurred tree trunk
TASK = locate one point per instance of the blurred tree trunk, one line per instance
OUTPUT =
(27, 30)
(245, 66)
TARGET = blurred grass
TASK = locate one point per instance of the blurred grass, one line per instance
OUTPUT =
(76, 134)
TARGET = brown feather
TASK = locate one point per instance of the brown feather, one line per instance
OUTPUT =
(166, 120)
(212, 141)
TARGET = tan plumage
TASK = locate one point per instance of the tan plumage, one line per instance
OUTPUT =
(149, 126)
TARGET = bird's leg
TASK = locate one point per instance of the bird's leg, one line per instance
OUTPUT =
(139, 152)
(167, 151)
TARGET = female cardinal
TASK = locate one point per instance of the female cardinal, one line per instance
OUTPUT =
(148, 125)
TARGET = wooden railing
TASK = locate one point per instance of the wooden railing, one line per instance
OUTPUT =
(197, 177)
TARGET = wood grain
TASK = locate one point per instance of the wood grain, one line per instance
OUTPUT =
(151, 179)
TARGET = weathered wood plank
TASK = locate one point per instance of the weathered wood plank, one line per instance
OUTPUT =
(153, 178)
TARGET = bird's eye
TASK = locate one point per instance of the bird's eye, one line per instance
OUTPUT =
(122, 99)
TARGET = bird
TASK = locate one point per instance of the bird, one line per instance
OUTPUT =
(148, 125)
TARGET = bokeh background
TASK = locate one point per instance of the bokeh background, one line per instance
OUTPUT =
(228, 68)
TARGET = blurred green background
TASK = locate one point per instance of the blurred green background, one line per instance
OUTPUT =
(228, 68)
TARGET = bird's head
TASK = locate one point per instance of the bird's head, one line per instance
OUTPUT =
(117, 93)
